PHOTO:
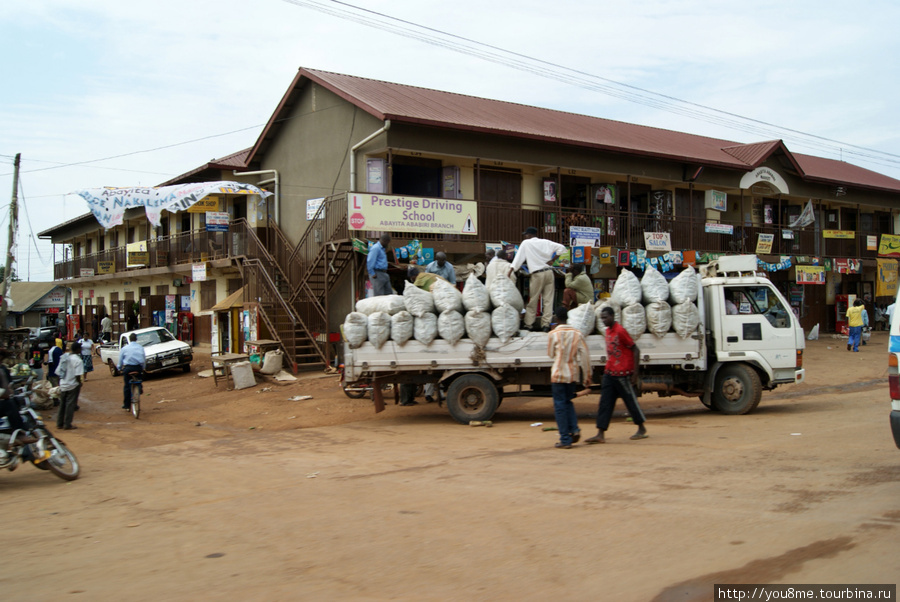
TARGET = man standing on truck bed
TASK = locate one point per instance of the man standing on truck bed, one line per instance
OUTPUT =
(571, 365)
(377, 265)
(537, 253)
(619, 378)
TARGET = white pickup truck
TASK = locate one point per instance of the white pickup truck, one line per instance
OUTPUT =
(727, 362)
(163, 351)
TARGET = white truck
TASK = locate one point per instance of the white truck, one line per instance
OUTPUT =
(163, 351)
(727, 362)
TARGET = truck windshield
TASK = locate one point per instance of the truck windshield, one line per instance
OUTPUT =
(749, 300)
(153, 337)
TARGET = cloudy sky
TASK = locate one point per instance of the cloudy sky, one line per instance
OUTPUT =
(112, 93)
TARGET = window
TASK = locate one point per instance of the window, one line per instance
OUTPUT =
(207, 294)
(757, 300)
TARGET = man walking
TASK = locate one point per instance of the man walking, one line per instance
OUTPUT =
(855, 322)
(537, 254)
(377, 266)
(71, 374)
(442, 268)
(619, 378)
(132, 360)
(571, 365)
(106, 329)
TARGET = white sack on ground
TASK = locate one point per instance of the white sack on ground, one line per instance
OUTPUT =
(389, 304)
(451, 326)
(813, 334)
(478, 326)
(634, 320)
(379, 328)
(583, 318)
(627, 290)
(446, 296)
(272, 362)
(684, 287)
(418, 302)
(475, 295)
(654, 286)
(401, 327)
(598, 309)
(659, 318)
(356, 326)
(425, 328)
(505, 321)
(685, 318)
(504, 291)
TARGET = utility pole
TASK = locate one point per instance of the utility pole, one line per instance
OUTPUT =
(13, 225)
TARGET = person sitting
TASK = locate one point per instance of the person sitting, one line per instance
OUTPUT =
(442, 268)
(132, 360)
(578, 289)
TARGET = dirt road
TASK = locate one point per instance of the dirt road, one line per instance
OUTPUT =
(270, 499)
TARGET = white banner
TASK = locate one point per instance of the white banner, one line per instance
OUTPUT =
(109, 204)
(805, 218)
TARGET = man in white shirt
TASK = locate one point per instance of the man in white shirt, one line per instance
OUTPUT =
(537, 254)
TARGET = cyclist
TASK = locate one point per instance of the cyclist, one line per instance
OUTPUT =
(132, 360)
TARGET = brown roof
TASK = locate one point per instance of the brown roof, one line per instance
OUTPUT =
(236, 160)
(409, 104)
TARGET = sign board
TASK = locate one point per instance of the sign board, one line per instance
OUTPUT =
(106, 267)
(198, 272)
(764, 243)
(605, 254)
(787, 234)
(136, 258)
(871, 243)
(217, 221)
(312, 207)
(810, 274)
(657, 241)
(889, 246)
(714, 199)
(140, 260)
(378, 212)
(847, 265)
(580, 236)
(205, 205)
(87, 272)
(886, 284)
(843, 234)
(719, 228)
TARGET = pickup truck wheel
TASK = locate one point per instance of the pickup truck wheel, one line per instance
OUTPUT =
(112, 367)
(738, 389)
(186, 368)
(472, 397)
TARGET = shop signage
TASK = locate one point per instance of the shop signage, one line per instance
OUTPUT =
(657, 241)
(106, 267)
(843, 234)
(412, 214)
(87, 272)
(719, 228)
(890, 245)
(312, 207)
(582, 236)
(886, 285)
(764, 243)
(810, 274)
(217, 221)
(204, 205)
(765, 175)
(871, 243)
(138, 258)
(716, 200)
(198, 272)
(847, 266)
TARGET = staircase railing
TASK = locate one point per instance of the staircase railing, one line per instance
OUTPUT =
(329, 224)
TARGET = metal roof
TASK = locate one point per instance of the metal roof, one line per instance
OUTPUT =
(409, 104)
(233, 161)
(26, 294)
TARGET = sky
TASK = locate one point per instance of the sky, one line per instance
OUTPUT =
(111, 93)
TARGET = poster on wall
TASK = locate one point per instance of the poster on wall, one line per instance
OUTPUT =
(549, 191)
(886, 284)
(847, 265)
(764, 243)
(604, 194)
(584, 236)
(889, 246)
(810, 274)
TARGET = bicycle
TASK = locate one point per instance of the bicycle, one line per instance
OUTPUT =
(137, 387)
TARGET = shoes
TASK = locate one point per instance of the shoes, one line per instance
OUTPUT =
(25, 439)
(545, 329)
(126, 408)
(77, 408)
(576, 437)
(429, 399)
(410, 403)
(849, 347)
(71, 427)
(637, 436)
(561, 445)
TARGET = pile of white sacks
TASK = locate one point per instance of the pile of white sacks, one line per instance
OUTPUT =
(650, 304)
(443, 312)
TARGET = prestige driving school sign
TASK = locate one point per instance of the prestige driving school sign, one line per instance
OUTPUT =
(381, 212)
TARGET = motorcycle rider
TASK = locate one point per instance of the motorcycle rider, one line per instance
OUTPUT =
(8, 406)
(132, 360)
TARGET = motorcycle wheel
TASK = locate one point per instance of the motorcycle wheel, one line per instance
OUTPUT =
(136, 400)
(62, 462)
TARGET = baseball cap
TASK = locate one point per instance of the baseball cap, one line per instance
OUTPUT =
(531, 230)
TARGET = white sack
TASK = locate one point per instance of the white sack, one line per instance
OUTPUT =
(389, 304)
(478, 326)
(627, 290)
(659, 318)
(598, 309)
(401, 327)
(654, 286)
(634, 320)
(684, 287)
(475, 295)
(379, 328)
(451, 326)
(685, 319)
(356, 326)
(272, 362)
(505, 321)
(446, 296)
(418, 302)
(583, 318)
(813, 334)
(503, 290)
(425, 328)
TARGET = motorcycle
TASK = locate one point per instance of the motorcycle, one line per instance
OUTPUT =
(46, 453)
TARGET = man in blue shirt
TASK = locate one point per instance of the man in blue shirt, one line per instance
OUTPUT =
(442, 268)
(377, 265)
(132, 360)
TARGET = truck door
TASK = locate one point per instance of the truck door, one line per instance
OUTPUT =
(757, 321)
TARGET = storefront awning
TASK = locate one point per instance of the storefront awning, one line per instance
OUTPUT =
(235, 299)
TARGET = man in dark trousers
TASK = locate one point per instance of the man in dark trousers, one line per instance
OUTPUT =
(619, 378)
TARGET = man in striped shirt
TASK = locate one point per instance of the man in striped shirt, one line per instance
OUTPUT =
(571, 365)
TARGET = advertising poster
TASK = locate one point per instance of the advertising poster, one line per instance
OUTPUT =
(886, 285)
(810, 274)
(549, 191)
(412, 214)
(889, 246)
(657, 241)
(581, 236)
(719, 228)
(764, 243)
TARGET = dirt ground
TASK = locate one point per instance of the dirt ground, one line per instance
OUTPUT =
(253, 495)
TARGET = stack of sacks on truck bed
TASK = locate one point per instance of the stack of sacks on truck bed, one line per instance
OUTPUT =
(442, 312)
(654, 305)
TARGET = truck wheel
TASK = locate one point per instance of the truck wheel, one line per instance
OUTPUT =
(738, 389)
(472, 397)
(112, 367)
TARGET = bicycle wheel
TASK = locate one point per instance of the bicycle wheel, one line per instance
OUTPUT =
(136, 400)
